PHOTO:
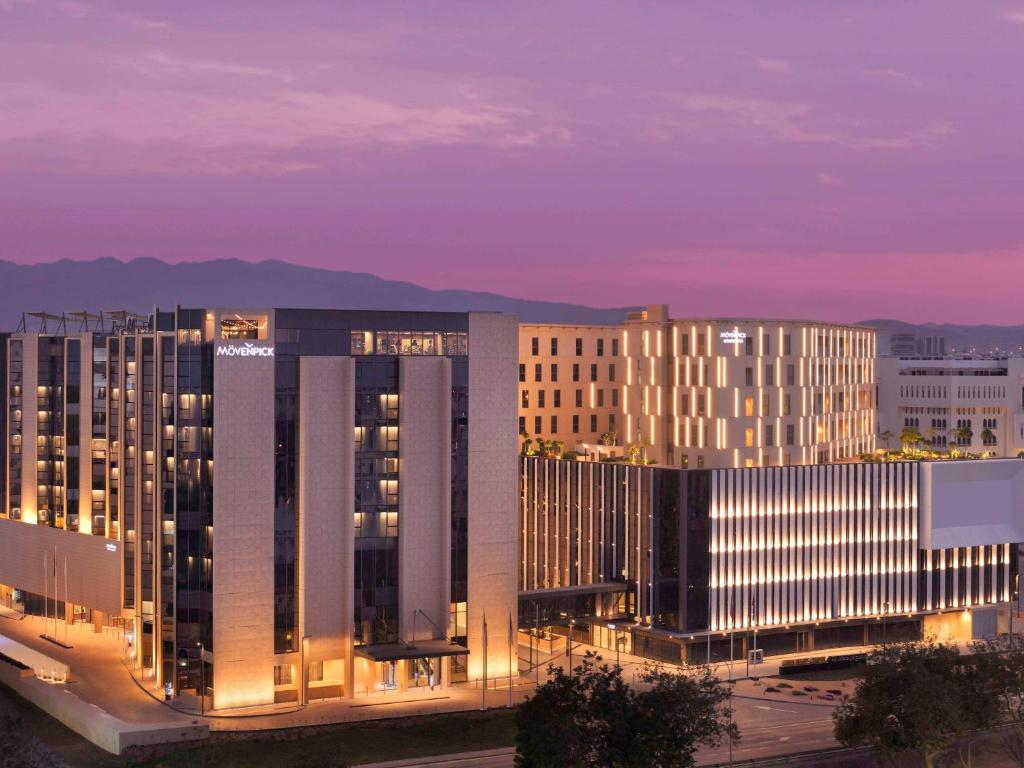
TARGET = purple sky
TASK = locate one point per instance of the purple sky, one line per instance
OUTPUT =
(838, 160)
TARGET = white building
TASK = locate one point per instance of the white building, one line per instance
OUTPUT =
(943, 399)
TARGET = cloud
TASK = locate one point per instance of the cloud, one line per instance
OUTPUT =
(895, 75)
(159, 64)
(283, 131)
(1014, 16)
(774, 66)
(827, 179)
(676, 113)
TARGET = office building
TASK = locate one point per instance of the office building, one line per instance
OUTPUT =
(976, 404)
(277, 504)
(661, 562)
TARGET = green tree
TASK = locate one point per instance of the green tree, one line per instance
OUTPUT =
(591, 718)
(964, 435)
(917, 697)
(988, 437)
(527, 445)
(608, 438)
(634, 453)
(910, 437)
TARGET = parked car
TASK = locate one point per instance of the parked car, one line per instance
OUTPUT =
(811, 689)
(826, 696)
(771, 689)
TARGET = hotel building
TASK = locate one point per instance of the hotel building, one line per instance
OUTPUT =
(703, 393)
(669, 563)
(978, 404)
(570, 381)
(280, 504)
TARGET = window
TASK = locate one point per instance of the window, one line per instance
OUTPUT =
(554, 424)
(579, 398)
(787, 345)
(593, 422)
(749, 344)
(790, 434)
(593, 371)
(686, 404)
(579, 347)
(316, 671)
(615, 397)
(701, 404)
(611, 371)
(535, 346)
(748, 407)
(769, 375)
(611, 422)
(540, 398)
(765, 404)
(766, 344)
(554, 372)
(282, 674)
(684, 344)
(554, 346)
(536, 425)
(600, 398)
(600, 347)
(701, 344)
(750, 377)
(615, 347)
(575, 371)
(700, 462)
(558, 398)
(749, 437)
(769, 434)
(522, 424)
(790, 374)
(524, 401)
(522, 371)
(787, 403)
(575, 424)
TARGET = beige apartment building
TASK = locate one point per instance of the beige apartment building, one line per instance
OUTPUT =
(740, 392)
(570, 382)
(732, 392)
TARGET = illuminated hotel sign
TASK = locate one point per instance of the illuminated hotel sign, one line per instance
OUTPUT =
(732, 337)
(111, 546)
(247, 349)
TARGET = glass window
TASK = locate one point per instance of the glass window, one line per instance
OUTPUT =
(554, 372)
(575, 371)
(593, 371)
(525, 399)
(522, 371)
(554, 346)
(579, 347)
(600, 347)
(615, 347)
(534, 346)
(538, 372)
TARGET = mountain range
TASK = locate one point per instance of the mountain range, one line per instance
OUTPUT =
(141, 284)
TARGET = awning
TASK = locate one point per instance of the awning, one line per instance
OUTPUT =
(421, 649)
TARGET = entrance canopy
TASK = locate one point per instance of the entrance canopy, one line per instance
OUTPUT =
(421, 649)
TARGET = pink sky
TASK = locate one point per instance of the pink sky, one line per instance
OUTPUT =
(838, 160)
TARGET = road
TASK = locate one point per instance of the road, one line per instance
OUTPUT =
(768, 727)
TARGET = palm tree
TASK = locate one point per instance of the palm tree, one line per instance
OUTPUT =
(527, 448)
(886, 437)
(930, 434)
(964, 435)
(910, 437)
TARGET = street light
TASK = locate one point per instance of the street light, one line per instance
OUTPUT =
(202, 680)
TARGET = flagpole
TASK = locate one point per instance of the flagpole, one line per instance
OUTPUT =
(510, 658)
(483, 688)
(46, 600)
(65, 599)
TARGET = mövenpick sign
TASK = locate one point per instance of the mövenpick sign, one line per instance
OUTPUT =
(246, 350)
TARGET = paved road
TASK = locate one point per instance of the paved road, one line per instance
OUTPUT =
(768, 726)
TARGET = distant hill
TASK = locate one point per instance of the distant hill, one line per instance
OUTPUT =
(981, 339)
(141, 284)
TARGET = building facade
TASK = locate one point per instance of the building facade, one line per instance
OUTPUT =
(670, 563)
(570, 379)
(976, 404)
(747, 393)
(276, 504)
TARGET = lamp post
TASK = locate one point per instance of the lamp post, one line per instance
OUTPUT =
(202, 680)
(572, 623)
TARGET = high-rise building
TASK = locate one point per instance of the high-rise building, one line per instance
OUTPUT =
(283, 503)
